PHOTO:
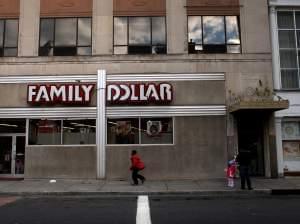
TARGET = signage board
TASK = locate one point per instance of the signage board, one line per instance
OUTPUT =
(129, 93)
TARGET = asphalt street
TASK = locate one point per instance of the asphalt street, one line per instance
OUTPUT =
(163, 209)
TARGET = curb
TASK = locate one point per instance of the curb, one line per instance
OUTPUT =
(204, 193)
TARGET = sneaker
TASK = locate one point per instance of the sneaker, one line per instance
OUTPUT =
(143, 180)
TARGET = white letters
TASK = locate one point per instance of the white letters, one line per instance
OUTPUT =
(55, 93)
(126, 95)
(133, 93)
(139, 93)
(42, 94)
(87, 91)
(68, 93)
(113, 92)
(31, 93)
(166, 91)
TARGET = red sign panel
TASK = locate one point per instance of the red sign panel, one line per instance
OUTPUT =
(130, 93)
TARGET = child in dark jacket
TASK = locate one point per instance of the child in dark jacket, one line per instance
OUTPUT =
(136, 165)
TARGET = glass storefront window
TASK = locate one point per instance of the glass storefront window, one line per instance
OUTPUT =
(123, 131)
(58, 132)
(44, 132)
(77, 132)
(157, 131)
(140, 131)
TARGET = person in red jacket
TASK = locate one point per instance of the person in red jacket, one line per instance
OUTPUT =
(136, 165)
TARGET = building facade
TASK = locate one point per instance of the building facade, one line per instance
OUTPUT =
(185, 82)
(285, 32)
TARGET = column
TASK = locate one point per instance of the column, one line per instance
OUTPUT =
(29, 28)
(275, 48)
(279, 150)
(101, 124)
(176, 27)
(102, 27)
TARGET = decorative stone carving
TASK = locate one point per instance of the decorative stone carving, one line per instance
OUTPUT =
(260, 97)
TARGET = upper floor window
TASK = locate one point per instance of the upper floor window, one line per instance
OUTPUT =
(214, 34)
(139, 35)
(65, 36)
(289, 48)
(9, 29)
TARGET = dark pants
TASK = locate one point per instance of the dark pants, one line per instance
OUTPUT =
(136, 176)
(244, 174)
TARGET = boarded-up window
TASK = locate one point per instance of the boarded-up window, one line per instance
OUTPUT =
(73, 8)
(139, 7)
(213, 7)
(9, 8)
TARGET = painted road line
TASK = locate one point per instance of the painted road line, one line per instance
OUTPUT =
(143, 210)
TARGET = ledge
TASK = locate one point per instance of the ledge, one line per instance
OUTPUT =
(263, 105)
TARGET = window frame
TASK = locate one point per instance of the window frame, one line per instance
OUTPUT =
(290, 140)
(61, 133)
(297, 48)
(4, 35)
(77, 46)
(140, 135)
(226, 44)
(151, 35)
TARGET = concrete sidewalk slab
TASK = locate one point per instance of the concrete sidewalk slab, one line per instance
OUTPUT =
(104, 187)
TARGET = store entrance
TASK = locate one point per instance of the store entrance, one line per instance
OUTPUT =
(12, 155)
(251, 138)
(12, 148)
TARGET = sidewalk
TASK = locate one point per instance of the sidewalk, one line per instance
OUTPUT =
(103, 187)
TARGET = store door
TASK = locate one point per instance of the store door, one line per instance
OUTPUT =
(12, 155)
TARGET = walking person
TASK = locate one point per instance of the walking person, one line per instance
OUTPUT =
(231, 172)
(244, 159)
(136, 166)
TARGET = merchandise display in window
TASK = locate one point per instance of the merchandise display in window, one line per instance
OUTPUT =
(140, 131)
(123, 131)
(158, 131)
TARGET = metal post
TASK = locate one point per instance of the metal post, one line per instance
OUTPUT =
(101, 123)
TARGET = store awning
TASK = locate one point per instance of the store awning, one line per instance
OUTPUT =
(259, 105)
